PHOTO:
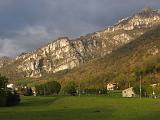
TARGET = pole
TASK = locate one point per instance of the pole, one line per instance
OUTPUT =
(140, 87)
(79, 89)
(44, 91)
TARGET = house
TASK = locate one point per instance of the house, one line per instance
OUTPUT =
(11, 86)
(154, 85)
(129, 92)
(111, 86)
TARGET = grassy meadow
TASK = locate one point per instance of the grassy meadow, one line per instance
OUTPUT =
(82, 108)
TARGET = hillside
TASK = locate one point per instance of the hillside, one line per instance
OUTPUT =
(5, 60)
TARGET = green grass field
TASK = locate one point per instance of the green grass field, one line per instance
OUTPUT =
(83, 108)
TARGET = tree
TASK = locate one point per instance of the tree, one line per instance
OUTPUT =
(122, 81)
(70, 88)
(49, 88)
(53, 87)
(3, 82)
(143, 90)
(139, 71)
(149, 90)
(157, 90)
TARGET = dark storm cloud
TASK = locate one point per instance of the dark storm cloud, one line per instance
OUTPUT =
(28, 24)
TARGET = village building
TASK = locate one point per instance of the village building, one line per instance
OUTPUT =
(11, 86)
(154, 85)
(129, 92)
(111, 86)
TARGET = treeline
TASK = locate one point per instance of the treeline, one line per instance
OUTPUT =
(148, 90)
(69, 88)
(149, 66)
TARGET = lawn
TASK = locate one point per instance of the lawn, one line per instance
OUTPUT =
(83, 108)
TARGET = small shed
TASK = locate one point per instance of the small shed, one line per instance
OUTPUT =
(129, 92)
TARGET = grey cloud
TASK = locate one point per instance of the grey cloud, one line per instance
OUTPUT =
(28, 24)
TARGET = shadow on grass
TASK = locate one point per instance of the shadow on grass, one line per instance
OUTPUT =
(61, 114)
(78, 114)
(82, 108)
(38, 101)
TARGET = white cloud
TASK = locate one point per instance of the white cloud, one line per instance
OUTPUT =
(34, 30)
(24, 40)
(8, 48)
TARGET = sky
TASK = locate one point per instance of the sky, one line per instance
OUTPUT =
(29, 24)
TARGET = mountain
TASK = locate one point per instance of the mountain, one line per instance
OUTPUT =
(63, 53)
(142, 54)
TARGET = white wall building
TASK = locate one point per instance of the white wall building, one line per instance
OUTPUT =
(111, 86)
(128, 92)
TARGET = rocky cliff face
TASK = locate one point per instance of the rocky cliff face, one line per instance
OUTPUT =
(64, 54)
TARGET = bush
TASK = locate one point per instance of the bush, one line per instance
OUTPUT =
(3, 82)
(49, 88)
(12, 98)
(9, 98)
(3, 98)
(95, 91)
(145, 90)
(70, 88)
